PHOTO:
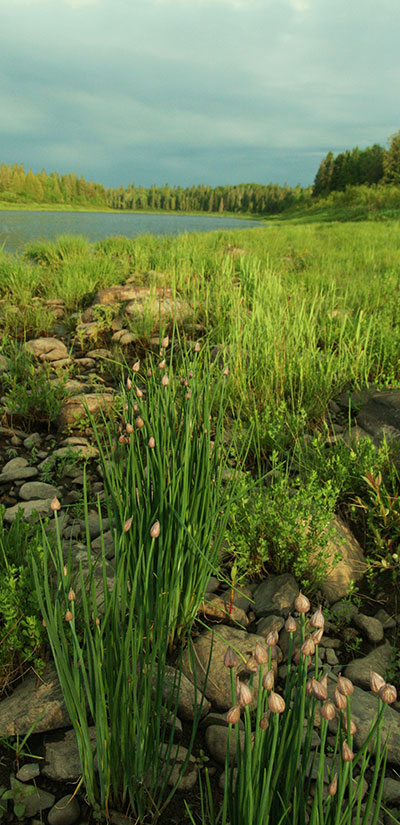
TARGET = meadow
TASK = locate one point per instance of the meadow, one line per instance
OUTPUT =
(268, 328)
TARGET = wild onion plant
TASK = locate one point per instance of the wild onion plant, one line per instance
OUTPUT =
(112, 672)
(164, 482)
(278, 777)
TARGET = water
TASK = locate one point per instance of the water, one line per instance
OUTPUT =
(18, 228)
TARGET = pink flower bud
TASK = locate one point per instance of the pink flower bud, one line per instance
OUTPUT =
(233, 715)
(230, 658)
(271, 638)
(129, 428)
(139, 422)
(302, 604)
(290, 625)
(345, 685)
(319, 690)
(68, 616)
(317, 619)
(276, 703)
(165, 380)
(149, 373)
(243, 693)
(317, 635)
(333, 786)
(226, 371)
(152, 442)
(197, 347)
(251, 665)
(340, 700)
(388, 694)
(139, 392)
(308, 647)
(136, 366)
(155, 530)
(161, 364)
(375, 680)
(264, 721)
(260, 654)
(128, 384)
(71, 595)
(128, 524)
(55, 504)
(165, 342)
(347, 753)
(268, 680)
(353, 727)
(328, 711)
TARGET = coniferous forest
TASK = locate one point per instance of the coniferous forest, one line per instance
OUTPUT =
(352, 168)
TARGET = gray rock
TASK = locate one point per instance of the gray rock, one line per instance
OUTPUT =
(351, 566)
(331, 657)
(63, 763)
(275, 595)
(379, 659)
(18, 474)
(217, 742)
(380, 416)
(187, 778)
(40, 506)
(372, 628)
(108, 540)
(66, 811)
(388, 622)
(218, 686)
(32, 440)
(28, 772)
(215, 718)
(76, 407)
(268, 623)
(38, 490)
(188, 700)
(32, 698)
(343, 610)
(364, 708)
(47, 349)
(391, 791)
(34, 798)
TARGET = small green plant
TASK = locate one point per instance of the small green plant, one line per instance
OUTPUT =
(381, 508)
(30, 394)
(277, 776)
(22, 636)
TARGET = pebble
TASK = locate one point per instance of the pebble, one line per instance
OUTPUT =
(66, 811)
(372, 628)
(28, 772)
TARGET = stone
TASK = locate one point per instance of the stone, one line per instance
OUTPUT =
(391, 791)
(276, 595)
(47, 349)
(31, 441)
(217, 738)
(77, 406)
(34, 798)
(66, 811)
(388, 622)
(63, 763)
(123, 336)
(351, 567)
(188, 698)
(343, 610)
(107, 539)
(83, 451)
(331, 657)
(178, 755)
(19, 474)
(214, 718)
(28, 772)
(364, 708)
(34, 697)
(380, 415)
(14, 464)
(38, 489)
(379, 659)
(372, 628)
(218, 686)
(268, 623)
(39, 506)
(217, 609)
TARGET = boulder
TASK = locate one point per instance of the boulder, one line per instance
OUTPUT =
(47, 349)
(76, 407)
(351, 566)
(34, 697)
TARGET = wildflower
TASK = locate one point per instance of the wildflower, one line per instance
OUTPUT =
(128, 524)
(152, 442)
(197, 347)
(319, 689)
(136, 366)
(353, 727)
(71, 595)
(165, 342)
(161, 364)
(139, 393)
(68, 616)
(290, 625)
(333, 786)
(233, 715)
(139, 422)
(328, 711)
(129, 428)
(271, 638)
(275, 703)
(230, 658)
(55, 504)
(155, 530)
(388, 694)
(128, 384)
(339, 699)
(317, 635)
(268, 680)
(317, 619)
(347, 753)
(376, 682)
(252, 664)
(345, 685)
(302, 604)
(308, 648)
(243, 693)
(260, 654)
(165, 380)
(264, 721)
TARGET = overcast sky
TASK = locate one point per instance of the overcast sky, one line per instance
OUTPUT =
(195, 91)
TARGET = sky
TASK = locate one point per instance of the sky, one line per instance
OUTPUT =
(195, 91)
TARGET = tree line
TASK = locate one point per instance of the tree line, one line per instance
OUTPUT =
(359, 167)
(18, 186)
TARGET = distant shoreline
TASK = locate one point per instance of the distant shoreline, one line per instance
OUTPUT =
(68, 207)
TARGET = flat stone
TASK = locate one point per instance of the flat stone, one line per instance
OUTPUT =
(83, 451)
(218, 686)
(364, 708)
(47, 349)
(101, 352)
(124, 337)
(343, 610)
(217, 738)
(62, 757)
(276, 595)
(379, 659)
(391, 791)
(38, 489)
(66, 811)
(40, 506)
(15, 464)
(77, 406)
(380, 416)
(34, 798)
(218, 610)
(19, 474)
(351, 567)
(215, 718)
(108, 541)
(388, 622)
(28, 772)
(31, 698)
(372, 628)
(268, 623)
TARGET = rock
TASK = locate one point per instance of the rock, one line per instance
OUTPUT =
(218, 687)
(215, 718)
(31, 441)
(372, 628)
(47, 349)
(275, 595)
(178, 755)
(34, 697)
(187, 699)
(84, 452)
(77, 406)
(19, 474)
(218, 610)
(39, 506)
(124, 337)
(268, 623)
(217, 742)
(391, 791)
(90, 330)
(38, 489)
(107, 539)
(99, 353)
(28, 772)
(388, 622)
(380, 415)
(364, 708)
(212, 584)
(86, 363)
(331, 657)
(66, 811)
(351, 567)
(343, 610)
(63, 763)
(14, 464)
(379, 659)
(117, 294)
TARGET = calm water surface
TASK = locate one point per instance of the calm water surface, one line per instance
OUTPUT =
(18, 228)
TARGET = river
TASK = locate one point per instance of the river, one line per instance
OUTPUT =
(19, 227)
